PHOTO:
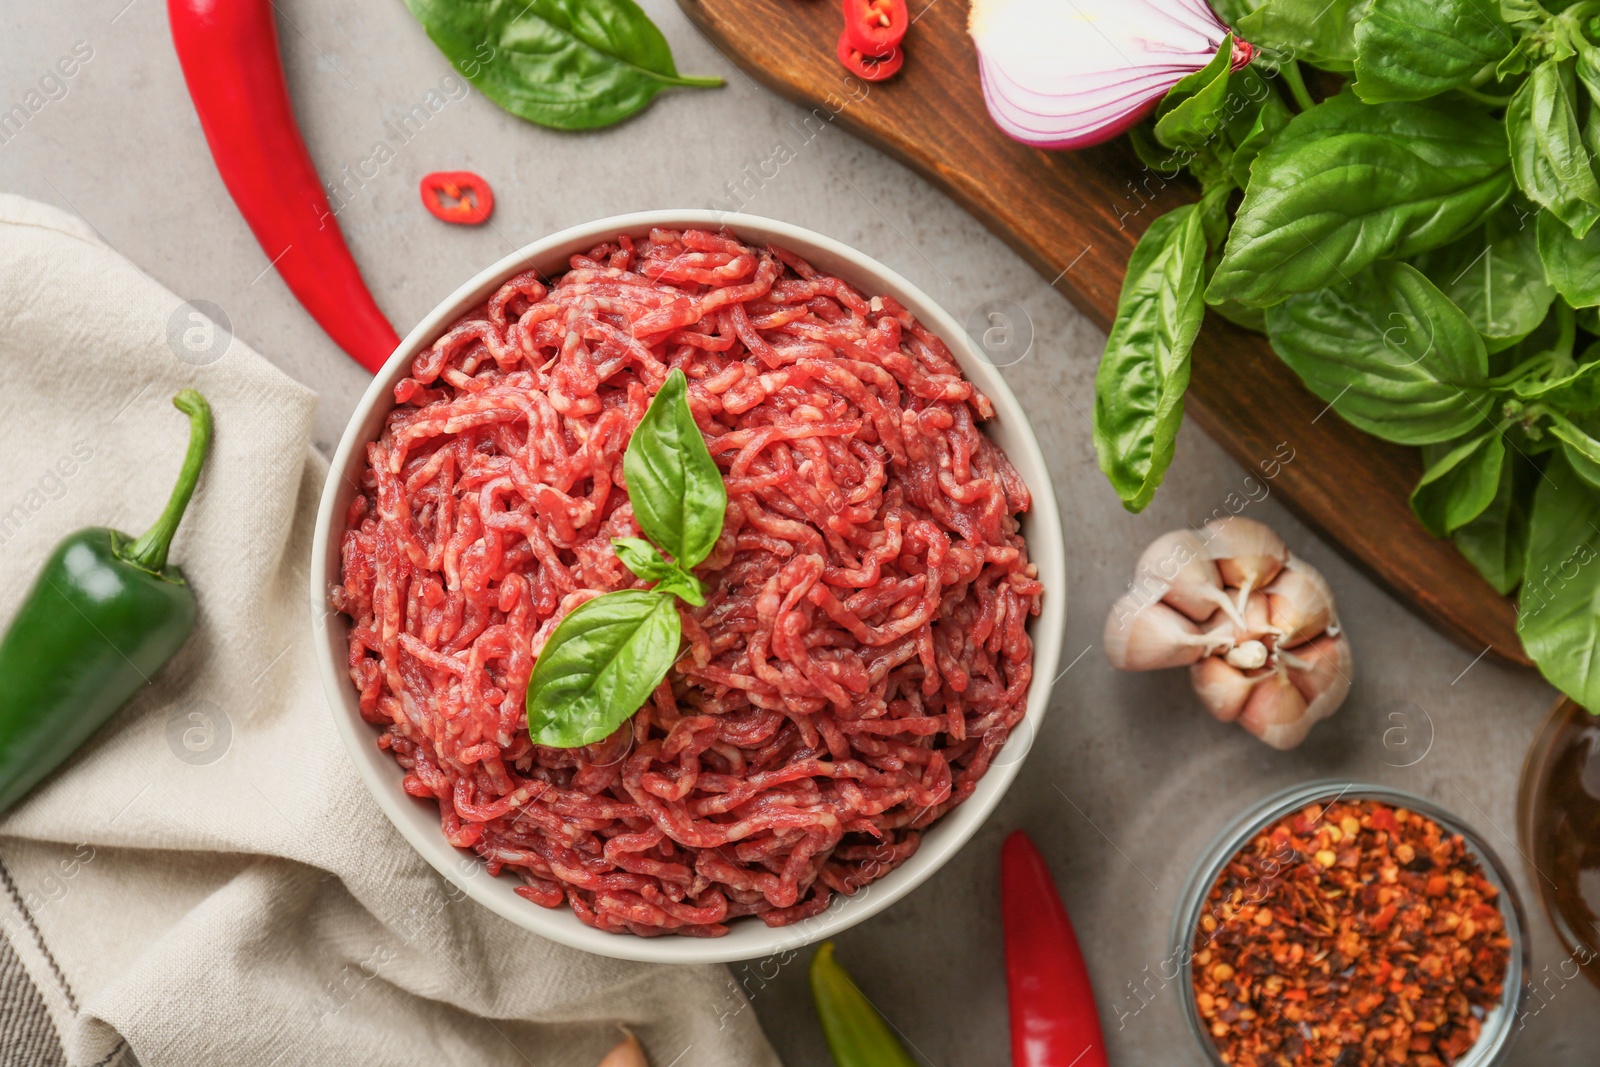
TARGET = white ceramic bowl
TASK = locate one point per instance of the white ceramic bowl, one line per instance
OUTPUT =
(749, 938)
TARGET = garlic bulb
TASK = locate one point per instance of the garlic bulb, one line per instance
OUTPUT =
(1268, 652)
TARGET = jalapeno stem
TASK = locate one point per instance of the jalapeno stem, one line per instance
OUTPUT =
(149, 552)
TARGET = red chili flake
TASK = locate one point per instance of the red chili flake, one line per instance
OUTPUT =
(457, 196)
(1383, 943)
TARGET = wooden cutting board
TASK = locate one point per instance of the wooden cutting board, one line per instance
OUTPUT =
(1076, 216)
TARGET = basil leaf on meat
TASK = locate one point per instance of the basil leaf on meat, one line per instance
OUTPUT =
(646, 561)
(569, 64)
(673, 483)
(1346, 184)
(1413, 49)
(600, 666)
(1548, 153)
(1495, 275)
(1460, 482)
(1142, 377)
(1572, 264)
(1389, 353)
(1319, 32)
(1558, 612)
(1496, 542)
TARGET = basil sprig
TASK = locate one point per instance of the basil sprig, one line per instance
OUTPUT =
(1422, 247)
(568, 64)
(608, 655)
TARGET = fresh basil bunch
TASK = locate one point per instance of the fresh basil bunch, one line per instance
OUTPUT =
(568, 64)
(607, 656)
(1422, 248)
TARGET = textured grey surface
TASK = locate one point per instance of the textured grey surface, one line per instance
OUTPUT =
(1128, 781)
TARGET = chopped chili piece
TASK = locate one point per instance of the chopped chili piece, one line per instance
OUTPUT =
(875, 27)
(457, 196)
(869, 68)
(1385, 943)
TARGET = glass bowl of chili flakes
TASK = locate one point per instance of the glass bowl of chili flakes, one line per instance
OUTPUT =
(1337, 924)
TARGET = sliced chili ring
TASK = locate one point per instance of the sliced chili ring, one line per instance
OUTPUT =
(875, 27)
(457, 196)
(868, 68)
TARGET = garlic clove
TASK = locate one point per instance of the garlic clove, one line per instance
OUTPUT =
(1248, 554)
(1221, 688)
(1258, 617)
(1150, 636)
(1321, 670)
(1178, 561)
(627, 1053)
(1301, 603)
(1247, 655)
(1276, 712)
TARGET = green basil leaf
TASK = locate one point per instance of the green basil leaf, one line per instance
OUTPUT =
(1496, 542)
(1194, 109)
(1389, 353)
(673, 483)
(569, 64)
(1547, 147)
(1231, 11)
(1346, 184)
(1558, 612)
(600, 666)
(1577, 392)
(1581, 450)
(1518, 12)
(1495, 275)
(1413, 49)
(1572, 264)
(1139, 387)
(1460, 482)
(1319, 32)
(645, 560)
(1270, 118)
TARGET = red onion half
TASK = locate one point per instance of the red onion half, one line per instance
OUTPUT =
(1072, 73)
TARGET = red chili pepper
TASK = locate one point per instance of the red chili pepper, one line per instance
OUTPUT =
(229, 53)
(1053, 1018)
(457, 196)
(875, 27)
(868, 68)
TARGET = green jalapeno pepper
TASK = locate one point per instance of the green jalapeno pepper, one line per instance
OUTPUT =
(103, 616)
(858, 1036)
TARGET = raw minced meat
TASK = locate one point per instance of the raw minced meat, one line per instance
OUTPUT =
(863, 651)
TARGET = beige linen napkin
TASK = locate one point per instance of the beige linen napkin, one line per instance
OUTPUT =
(208, 882)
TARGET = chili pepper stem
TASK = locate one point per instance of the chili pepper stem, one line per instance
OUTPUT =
(149, 552)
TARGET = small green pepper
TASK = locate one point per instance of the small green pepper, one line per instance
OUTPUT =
(857, 1035)
(103, 616)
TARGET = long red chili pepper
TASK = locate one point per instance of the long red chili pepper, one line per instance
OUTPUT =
(1053, 1017)
(229, 53)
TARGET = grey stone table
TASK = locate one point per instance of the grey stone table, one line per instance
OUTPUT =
(1128, 780)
